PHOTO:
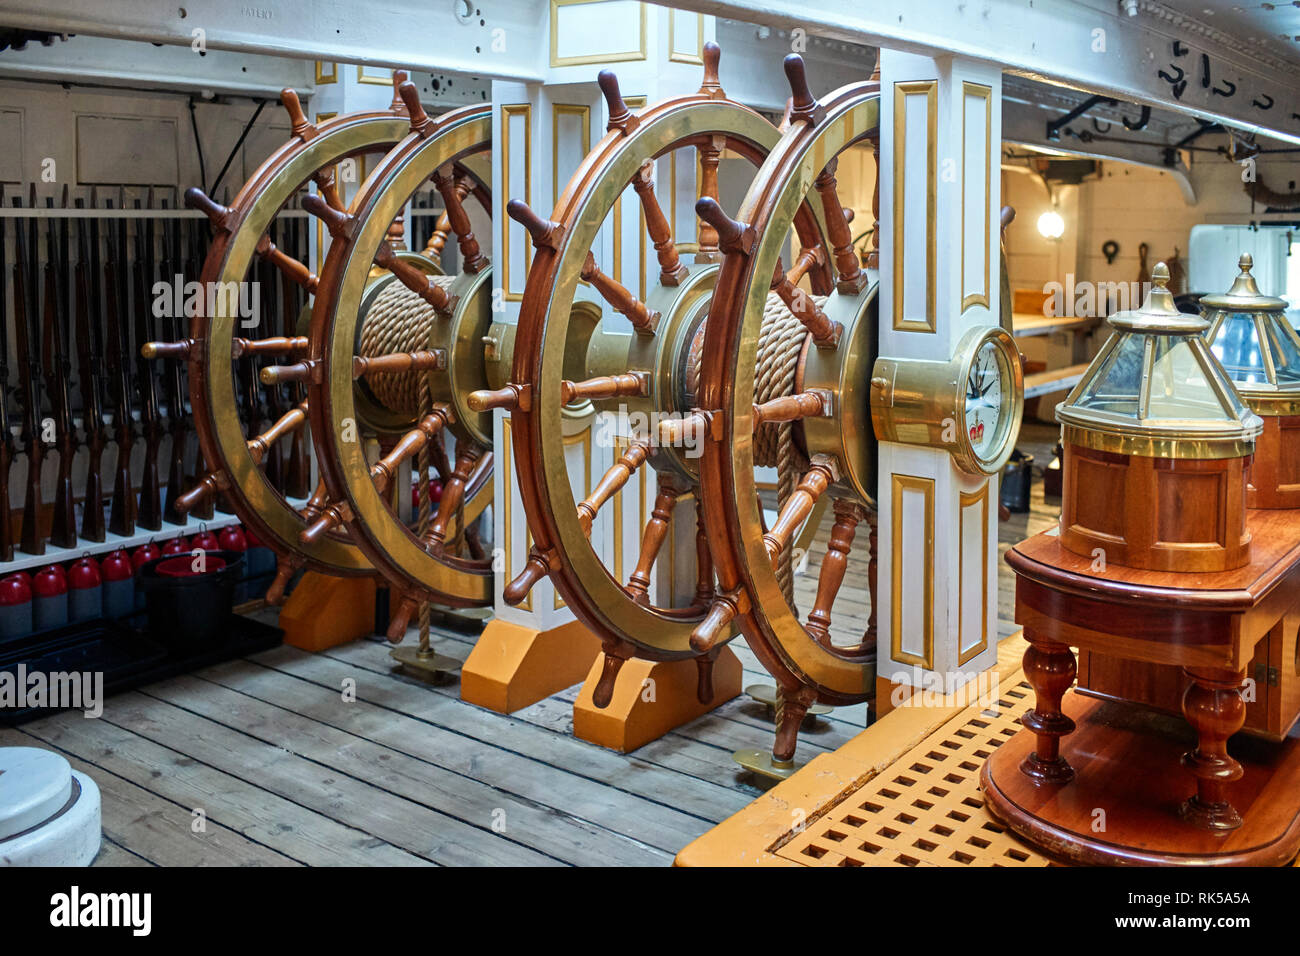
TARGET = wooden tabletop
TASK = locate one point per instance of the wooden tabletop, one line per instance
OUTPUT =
(1024, 324)
(1275, 555)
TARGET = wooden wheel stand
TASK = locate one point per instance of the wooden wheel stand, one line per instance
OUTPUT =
(1101, 782)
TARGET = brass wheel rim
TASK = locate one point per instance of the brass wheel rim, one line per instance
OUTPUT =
(391, 547)
(212, 387)
(783, 184)
(582, 578)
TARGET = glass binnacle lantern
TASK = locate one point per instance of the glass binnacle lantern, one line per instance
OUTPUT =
(1250, 335)
(1157, 444)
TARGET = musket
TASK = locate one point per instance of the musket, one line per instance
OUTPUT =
(192, 241)
(149, 515)
(121, 519)
(297, 479)
(63, 528)
(92, 406)
(6, 439)
(173, 382)
(29, 370)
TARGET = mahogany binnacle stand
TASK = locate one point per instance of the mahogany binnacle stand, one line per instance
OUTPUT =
(1115, 783)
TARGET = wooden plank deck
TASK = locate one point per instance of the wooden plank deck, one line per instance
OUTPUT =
(287, 758)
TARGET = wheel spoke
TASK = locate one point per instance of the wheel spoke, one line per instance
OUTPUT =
(620, 298)
(825, 332)
(290, 420)
(671, 269)
(611, 483)
(847, 516)
(472, 259)
(383, 471)
(652, 540)
(799, 505)
(852, 279)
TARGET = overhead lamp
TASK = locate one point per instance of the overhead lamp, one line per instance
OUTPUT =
(1051, 225)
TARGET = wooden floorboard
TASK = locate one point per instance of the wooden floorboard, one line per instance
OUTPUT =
(340, 758)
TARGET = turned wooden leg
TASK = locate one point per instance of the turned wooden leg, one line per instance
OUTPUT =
(1050, 669)
(1213, 706)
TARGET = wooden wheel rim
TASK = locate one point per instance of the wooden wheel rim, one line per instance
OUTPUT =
(392, 548)
(212, 387)
(734, 527)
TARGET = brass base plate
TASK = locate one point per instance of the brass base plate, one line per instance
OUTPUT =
(431, 665)
(760, 762)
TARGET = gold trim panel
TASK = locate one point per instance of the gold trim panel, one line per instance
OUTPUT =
(930, 90)
(322, 77)
(620, 57)
(507, 111)
(371, 79)
(968, 500)
(925, 486)
(673, 55)
(977, 91)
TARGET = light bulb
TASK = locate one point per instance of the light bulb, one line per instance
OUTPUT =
(1051, 225)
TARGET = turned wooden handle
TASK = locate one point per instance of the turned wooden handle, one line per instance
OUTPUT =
(511, 397)
(338, 222)
(605, 386)
(619, 297)
(825, 331)
(396, 362)
(167, 350)
(534, 570)
(712, 85)
(301, 126)
(803, 105)
(620, 117)
(674, 431)
(335, 516)
(196, 198)
(259, 446)
(207, 486)
(276, 345)
(789, 408)
(733, 236)
(400, 620)
(279, 374)
(710, 631)
(420, 121)
(543, 231)
(284, 570)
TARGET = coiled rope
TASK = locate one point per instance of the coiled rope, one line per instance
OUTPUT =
(398, 321)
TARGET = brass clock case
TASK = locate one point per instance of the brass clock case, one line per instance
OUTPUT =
(920, 402)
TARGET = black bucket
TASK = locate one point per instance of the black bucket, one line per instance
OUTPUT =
(189, 600)
(1017, 476)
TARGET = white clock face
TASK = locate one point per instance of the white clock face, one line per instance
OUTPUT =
(985, 406)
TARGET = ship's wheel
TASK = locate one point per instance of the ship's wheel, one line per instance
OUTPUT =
(394, 350)
(597, 347)
(829, 410)
(216, 346)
